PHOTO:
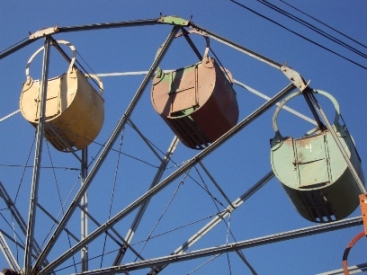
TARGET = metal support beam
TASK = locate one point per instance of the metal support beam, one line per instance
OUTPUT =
(122, 243)
(259, 94)
(232, 206)
(147, 142)
(13, 239)
(16, 243)
(83, 216)
(16, 47)
(144, 206)
(13, 264)
(13, 210)
(48, 214)
(355, 269)
(302, 232)
(111, 25)
(236, 46)
(307, 94)
(215, 183)
(37, 161)
(103, 155)
(47, 32)
(20, 221)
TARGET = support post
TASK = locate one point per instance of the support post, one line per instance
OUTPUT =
(8, 255)
(37, 161)
(84, 207)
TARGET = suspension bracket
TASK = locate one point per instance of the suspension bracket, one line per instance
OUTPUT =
(295, 78)
(174, 20)
(43, 32)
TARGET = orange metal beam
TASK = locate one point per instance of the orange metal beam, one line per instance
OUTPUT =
(363, 204)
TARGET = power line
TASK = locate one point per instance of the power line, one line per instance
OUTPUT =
(305, 38)
(326, 25)
(312, 27)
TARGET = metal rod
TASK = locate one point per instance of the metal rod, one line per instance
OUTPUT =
(193, 47)
(105, 152)
(8, 255)
(302, 232)
(98, 26)
(84, 206)
(259, 94)
(307, 94)
(216, 220)
(16, 47)
(61, 51)
(57, 222)
(169, 179)
(19, 219)
(215, 183)
(21, 246)
(237, 46)
(147, 142)
(37, 161)
(248, 88)
(13, 210)
(13, 239)
(355, 269)
(122, 243)
(9, 115)
(242, 257)
(110, 25)
(144, 206)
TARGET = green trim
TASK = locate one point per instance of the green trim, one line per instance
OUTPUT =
(183, 113)
(173, 20)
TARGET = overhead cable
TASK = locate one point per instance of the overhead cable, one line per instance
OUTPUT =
(326, 25)
(307, 39)
(312, 27)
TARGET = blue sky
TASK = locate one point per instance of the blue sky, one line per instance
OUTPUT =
(188, 203)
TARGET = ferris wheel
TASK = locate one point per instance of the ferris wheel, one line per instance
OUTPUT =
(151, 171)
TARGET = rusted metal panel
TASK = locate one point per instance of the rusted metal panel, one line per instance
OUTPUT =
(197, 102)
